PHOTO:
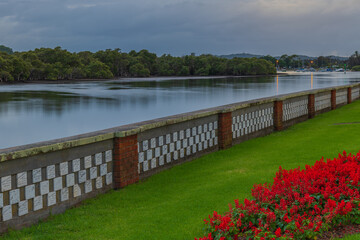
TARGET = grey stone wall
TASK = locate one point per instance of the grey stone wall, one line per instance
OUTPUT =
(248, 121)
(47, 182)
(355, 93)
(322, 101)
(341, 96)
(175, 143)
(295, 107)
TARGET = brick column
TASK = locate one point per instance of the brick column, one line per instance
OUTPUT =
(333, 99)
(311, 105)
(125, 161)
(349, 95)
(225, 130)
(278, 115)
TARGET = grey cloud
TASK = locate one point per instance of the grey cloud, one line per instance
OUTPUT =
(179, 27)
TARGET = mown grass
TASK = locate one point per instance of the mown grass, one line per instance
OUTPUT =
(173, 203)
(352, 237)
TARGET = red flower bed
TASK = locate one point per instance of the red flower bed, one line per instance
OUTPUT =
(300, 204)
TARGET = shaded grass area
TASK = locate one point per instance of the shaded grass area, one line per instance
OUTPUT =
(173, 203)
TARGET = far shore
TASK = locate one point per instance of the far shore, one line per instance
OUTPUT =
(69, 81)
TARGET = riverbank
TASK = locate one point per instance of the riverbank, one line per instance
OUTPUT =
(173, 203)
(52, 81)
(64, 81)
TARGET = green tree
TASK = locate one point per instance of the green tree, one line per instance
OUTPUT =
(21, 68)
(139, 70)
(5, 68)
(269, 58)
(6, 49)
(98, 70)
(354, 59)
(184, 71)
(117, 61)
(5, 76)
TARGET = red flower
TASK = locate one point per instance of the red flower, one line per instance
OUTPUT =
(278, 232)
(312, 199)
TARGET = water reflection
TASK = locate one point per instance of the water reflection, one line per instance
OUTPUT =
(31, 113)
(49, 102)
(203, 83)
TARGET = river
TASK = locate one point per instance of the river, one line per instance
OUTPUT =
(31, 113)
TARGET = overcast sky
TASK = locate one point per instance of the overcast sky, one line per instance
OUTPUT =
(179, 27)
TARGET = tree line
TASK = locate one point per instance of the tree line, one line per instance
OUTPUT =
(294, 61)
(60, 64)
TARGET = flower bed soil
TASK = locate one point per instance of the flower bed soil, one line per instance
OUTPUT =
(340, 232)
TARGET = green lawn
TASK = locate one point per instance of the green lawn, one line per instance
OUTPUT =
(172, 204)
(352, 237)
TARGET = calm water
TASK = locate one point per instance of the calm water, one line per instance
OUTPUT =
(31, 113)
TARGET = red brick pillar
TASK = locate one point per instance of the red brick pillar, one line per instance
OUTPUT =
(311, 105)
(278, 115)
(333, 99)
(125, 161)
(225, 130)
(349, 95)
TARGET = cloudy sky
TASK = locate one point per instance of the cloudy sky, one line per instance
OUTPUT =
(179, 27)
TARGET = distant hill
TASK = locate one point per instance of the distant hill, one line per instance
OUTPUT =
(304, 57)
(338, 58)
(300, 57)
(241, 55)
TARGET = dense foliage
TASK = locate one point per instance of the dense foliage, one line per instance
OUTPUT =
(356, 68)
(300, 204)
(354, 60)
(295, 61)
(58, 64)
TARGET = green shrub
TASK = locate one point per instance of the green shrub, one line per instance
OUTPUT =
(356, 68)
